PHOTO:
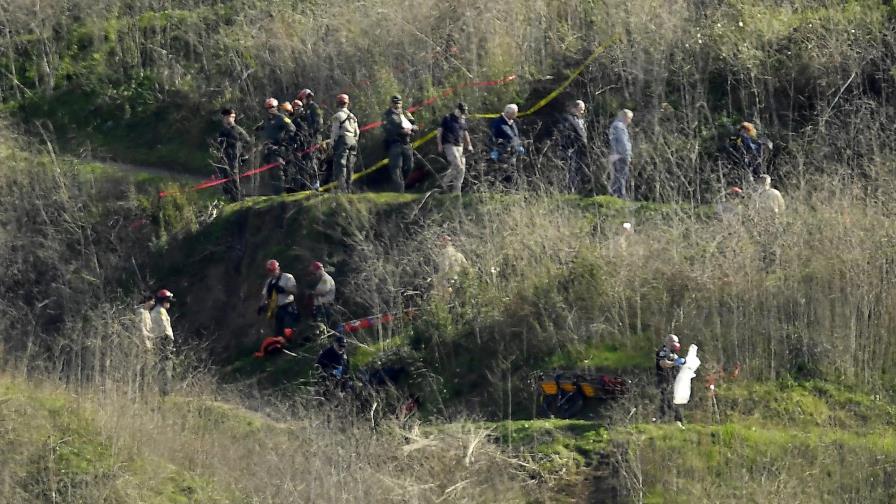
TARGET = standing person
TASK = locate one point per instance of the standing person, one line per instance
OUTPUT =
(398, 127)
(312, 118)
(324, 294)
(235, 144)
(451, 264)
(145, 346)
(304, 154)
(163, 336)
(574, 142)
(506, 136)
(451, 139)
(668, 364)
(749, 149)
(278, 298)
(314, 125)
(620, 153)
(276, 130)
(344, 134)
(769, 201)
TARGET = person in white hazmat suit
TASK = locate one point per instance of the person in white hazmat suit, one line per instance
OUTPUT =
(668, 365)
(681, 390)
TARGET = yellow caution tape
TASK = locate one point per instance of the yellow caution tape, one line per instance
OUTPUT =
(535, 108)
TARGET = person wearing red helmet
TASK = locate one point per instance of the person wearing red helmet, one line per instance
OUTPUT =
(278, 298)
(344, 134)
(164, 337)
(667, 365)
(276, 129)
(324, 294)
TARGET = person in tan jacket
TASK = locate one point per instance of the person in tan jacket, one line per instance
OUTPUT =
(769, 201)
(163, 337)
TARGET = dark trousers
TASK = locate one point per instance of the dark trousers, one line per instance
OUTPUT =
(344, 156)
(576, 170)
(401, 162)
(620, 178)
(286, 316)
(231, 171)
(323, 314)
(667, 405)
(273, 154)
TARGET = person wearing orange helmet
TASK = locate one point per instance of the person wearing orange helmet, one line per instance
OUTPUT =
(276, 129)
(344, 134)
(278, 298)
(164, 337)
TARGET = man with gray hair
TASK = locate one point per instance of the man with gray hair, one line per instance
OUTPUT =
(620, 153)
(506, 135)
(573, 140)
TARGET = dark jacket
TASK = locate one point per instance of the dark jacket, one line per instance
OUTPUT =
(234, 142)
(392, 130)
(665, 376)
(504, 132)
(276, 128)
(454, 130)
(573, 134)
(331, 360)
(313, 120)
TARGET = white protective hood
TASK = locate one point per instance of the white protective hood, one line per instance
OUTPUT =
(682, 388)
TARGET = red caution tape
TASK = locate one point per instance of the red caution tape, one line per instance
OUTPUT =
(214, 182)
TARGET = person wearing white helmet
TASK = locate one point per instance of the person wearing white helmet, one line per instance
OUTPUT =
(163, 336)
(667, 365)
(344, 134)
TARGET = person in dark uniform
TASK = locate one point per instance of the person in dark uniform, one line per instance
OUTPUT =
(667, 365)
(398, 128)
(234, 143)
(276, 130)
(333, 360)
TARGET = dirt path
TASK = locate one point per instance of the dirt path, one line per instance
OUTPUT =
(152, 170)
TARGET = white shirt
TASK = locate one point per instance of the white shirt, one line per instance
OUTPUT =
(770, 201)
(405, 124)
(288, 282)
(325, 292)
(144, 326)
(161, 323)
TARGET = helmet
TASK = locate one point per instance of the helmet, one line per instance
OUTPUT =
(286, 107)
(270, 103)
(272, 265)
(305, 92)
(317, 266)
(164, 295)
(396, 98)
(342, 98)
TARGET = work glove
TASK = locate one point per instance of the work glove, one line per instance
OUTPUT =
(520, 150)
(679, 361)
(260, 310)
(494, 154)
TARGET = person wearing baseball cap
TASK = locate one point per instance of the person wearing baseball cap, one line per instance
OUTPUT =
(398, 128)
(164, 338)
(451, 139)
(667, 365)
